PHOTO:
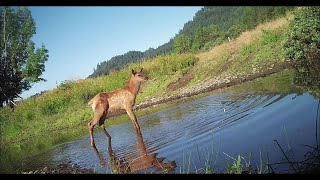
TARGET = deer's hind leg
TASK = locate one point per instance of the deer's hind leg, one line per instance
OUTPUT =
(102, 126)
(99, 113)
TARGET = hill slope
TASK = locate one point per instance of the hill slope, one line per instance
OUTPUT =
(228, 21)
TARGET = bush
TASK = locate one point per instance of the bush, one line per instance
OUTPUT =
(303, 37)
(303, 47)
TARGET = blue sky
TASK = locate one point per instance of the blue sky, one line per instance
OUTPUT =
(78, 38)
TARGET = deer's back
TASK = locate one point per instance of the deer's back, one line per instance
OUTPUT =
(120, 99)
(115, 100)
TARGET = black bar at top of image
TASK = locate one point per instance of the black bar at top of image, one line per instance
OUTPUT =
(157, 2)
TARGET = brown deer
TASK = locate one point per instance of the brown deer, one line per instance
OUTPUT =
(122, 98)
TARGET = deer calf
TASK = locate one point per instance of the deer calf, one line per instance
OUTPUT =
(122, 98)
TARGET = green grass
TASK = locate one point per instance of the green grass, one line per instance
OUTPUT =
(260, 54)
(234, 165)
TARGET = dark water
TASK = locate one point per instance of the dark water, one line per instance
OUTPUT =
(203, 131)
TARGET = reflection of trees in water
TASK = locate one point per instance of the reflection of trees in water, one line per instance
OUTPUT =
(307, 74)
(153, 121)
(143, 163)
(178, 114)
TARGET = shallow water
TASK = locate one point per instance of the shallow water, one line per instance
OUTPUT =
(209, 128)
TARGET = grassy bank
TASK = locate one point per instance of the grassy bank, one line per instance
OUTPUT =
(65, 107)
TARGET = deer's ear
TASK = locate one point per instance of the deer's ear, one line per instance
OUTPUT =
(133, 72)
(141, 69)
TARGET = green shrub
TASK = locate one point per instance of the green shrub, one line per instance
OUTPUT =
(54, 105)
(303, 36)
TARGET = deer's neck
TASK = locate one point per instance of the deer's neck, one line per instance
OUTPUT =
(134, 86)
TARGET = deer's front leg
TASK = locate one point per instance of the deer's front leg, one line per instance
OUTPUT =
(133, 119)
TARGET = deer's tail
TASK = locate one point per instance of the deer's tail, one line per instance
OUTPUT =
(92, 104)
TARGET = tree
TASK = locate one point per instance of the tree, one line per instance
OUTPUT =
(204, 35)
(21, 64)
(199, 39)
(182, 44)
(303, 47)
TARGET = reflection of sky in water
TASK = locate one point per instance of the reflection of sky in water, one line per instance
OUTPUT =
(234, 124)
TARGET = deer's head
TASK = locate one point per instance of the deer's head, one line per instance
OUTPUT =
(139, 76)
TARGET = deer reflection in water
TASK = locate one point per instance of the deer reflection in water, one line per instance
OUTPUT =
(142, 163)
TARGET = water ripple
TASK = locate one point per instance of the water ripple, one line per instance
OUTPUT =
(241, 122)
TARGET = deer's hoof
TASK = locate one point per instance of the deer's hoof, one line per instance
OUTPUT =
(92, 144)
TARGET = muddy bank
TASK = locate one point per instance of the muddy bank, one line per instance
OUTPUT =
(61, 169)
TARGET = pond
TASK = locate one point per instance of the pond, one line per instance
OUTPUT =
(201, 134)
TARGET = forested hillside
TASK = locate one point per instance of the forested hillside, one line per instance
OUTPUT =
(117, 62)
(210, 27)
